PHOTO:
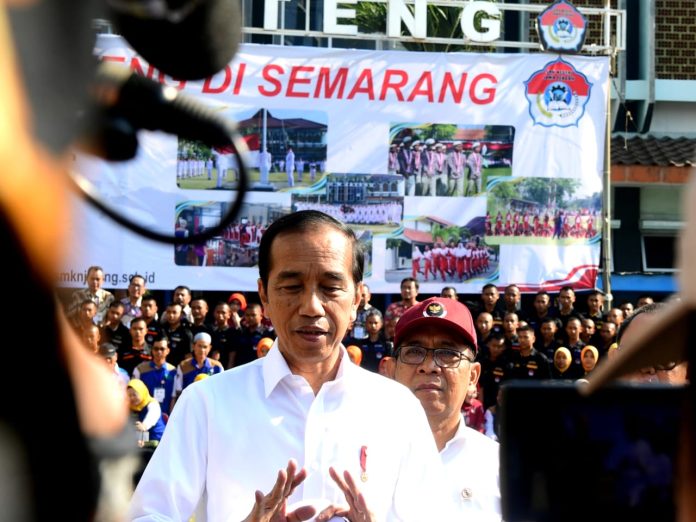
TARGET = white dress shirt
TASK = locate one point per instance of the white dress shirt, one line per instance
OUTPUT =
(230, 434)
(472, 465)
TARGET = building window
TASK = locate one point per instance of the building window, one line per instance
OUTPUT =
(659, 252)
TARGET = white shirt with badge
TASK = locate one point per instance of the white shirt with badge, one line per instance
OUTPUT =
(229, 435)
(473, 474)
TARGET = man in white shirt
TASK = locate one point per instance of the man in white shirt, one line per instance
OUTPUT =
(290, 166)
(435, 345)
(251, 428)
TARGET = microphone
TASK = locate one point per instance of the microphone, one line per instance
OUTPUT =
(185, 39)
(127, 102)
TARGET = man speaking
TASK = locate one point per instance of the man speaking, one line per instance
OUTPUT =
(235, 442)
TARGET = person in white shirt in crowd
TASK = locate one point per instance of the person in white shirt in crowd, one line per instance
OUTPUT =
(298, 432)
(435, 350)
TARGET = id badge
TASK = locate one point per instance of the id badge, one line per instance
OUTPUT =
(159, 394)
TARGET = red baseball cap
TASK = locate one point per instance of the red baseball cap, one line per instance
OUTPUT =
(440, 311)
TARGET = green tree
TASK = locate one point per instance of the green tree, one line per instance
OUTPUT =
(547, 191)
(393, 243)
(504, 192)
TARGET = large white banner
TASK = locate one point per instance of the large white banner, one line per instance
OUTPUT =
(456, 169)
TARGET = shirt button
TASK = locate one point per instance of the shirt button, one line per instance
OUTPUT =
(467, 493)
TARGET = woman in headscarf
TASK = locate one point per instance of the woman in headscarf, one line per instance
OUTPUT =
(589, 357)
(147, 409)
(563, 367)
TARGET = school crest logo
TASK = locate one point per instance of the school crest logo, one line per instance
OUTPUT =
(561, 28)
(557, 94)
(434, 310)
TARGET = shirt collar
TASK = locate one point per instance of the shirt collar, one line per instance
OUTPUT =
(459, 436)
(275, 368)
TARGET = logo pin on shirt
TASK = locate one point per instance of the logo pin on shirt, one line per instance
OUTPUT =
(363, 463)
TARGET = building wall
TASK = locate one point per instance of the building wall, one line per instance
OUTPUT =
(675, 39)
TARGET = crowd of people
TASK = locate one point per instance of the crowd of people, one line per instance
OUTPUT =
(429, 168)
(582, 223)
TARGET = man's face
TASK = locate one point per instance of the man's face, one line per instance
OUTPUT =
(136, 288)
(607, 331)
(199, 309)
(526, 338)
(449, 293)
(616, 316)
(160, 350)
(222, 314)
(496, 347)
(89, 310)
(92, 338)
(484, 323)
(182, 296)
(95, 280)
(114, 314)
(566, 299)
(595, 303)
(643, 301)
(573, 330)
(201, 349)
(173, 315)
(441, 391)
(541, 304)
(148, 309)
(512, 297)
(627, 309)
(138, 331)
(253, 316)
(408, 290)
(365, 296)
(588, 329)
(490, 296)
(510, 323)
(311, 297)
(548, 331)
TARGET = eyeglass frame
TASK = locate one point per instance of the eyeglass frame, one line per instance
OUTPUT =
(435, 351)
(650, 370)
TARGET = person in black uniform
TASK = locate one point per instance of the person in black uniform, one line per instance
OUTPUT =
(527, 363)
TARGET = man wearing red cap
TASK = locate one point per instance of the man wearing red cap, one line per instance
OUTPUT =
(435, 354)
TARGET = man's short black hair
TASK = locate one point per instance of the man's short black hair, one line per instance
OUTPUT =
(303, 221)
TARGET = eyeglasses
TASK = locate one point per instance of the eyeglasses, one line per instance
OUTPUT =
(659, 368)
(443, 357)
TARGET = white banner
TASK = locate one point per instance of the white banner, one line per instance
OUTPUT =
(458, 169)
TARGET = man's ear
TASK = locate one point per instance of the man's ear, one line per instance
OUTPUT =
(387, 367)
(356, 302)
(474, 374)
(262, 292)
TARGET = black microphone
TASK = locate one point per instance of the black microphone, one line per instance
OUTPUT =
(125, 102)
(185, 39)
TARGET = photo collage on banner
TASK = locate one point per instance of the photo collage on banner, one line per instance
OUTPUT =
(458, 169)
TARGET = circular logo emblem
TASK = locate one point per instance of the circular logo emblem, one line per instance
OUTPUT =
(434, 310)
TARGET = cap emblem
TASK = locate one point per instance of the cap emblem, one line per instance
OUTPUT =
(434, 310)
